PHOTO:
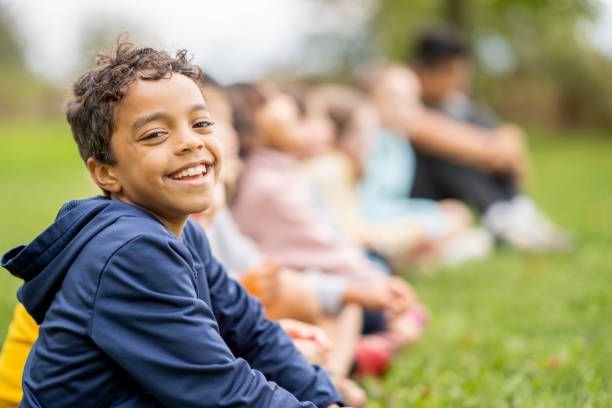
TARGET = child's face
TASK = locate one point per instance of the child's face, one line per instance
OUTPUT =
(167, 159)
(232, 166)
(279, 125)
(283, 127)
(397, 97)
(358, 137)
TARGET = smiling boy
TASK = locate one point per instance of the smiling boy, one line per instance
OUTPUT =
(134, 310)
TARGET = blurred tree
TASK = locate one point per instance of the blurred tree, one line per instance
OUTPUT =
(21, 92)
(555, 74)
(11, 56)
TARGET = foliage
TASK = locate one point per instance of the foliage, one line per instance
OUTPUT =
(559, 77)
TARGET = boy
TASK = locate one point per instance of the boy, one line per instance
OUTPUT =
(443, 64)
(134, 310)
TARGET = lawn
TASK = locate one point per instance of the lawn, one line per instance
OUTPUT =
(512, 331)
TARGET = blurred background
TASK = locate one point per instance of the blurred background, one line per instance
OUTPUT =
(556, 54)
(528, 330)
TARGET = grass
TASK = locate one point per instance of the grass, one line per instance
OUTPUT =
(512, 331)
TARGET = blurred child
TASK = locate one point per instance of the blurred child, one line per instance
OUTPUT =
(443, 65)
(335, 171)
(366, 180)
(276, 287)
(291, 227)
(21, 335)
(389, 171)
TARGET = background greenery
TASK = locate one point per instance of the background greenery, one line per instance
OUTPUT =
(512, 331)
(558, 76)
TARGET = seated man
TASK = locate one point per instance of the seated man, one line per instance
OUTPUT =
(487, 177)
(133, 308)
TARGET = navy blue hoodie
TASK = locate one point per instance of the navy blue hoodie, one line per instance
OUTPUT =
(132, 316)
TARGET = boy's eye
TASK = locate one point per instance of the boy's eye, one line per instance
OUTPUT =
(203, 124)
(153, 135)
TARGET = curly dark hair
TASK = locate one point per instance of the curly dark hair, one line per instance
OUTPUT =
(90, 112)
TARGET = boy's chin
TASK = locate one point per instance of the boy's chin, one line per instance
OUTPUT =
(198, 208)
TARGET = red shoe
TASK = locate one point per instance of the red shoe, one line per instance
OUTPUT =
(372, 355)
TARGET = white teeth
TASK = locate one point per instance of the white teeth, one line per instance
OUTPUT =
(192, 171)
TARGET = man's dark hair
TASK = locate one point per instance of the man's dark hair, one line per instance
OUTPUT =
(91, 110)
(439, 45)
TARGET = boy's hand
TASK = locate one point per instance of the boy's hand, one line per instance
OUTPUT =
(263, 281)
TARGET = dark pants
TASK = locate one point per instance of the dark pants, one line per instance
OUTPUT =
(439, 179)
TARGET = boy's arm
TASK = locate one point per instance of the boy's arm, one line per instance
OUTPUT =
(263, 343)
(148, 319)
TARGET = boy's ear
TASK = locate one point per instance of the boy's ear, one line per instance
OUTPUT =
(104, 175)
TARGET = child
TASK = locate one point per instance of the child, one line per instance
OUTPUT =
(366, 177)
(133, 309)
(275, 286)
(291, 227)
(390, 167)
(442, 63)
(20, 336)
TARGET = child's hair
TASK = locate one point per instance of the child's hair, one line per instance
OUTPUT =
(216, 99)
(439, 45)
(339, 104)
(246, 99)
(91, 110)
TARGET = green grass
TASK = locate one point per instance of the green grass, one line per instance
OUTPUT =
(512, 331)
(523, 330)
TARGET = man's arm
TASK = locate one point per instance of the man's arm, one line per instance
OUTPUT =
(148, 318)
(500, 150)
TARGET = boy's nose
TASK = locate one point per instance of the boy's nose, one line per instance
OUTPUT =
(189, 141)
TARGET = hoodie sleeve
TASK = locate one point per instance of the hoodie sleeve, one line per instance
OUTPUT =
(263, 343)
(148, 319)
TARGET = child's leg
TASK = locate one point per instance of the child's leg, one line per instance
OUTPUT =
(344, 332)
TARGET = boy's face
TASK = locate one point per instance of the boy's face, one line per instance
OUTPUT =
(167, 159)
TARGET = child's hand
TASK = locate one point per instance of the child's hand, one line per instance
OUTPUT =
(402, 295)
(392, 295)
(310, 340)
(263, 281)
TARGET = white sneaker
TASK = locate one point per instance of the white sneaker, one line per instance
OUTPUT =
(472, 244)
(520, 224)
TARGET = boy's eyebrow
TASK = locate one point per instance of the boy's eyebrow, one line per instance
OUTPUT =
(143, 120)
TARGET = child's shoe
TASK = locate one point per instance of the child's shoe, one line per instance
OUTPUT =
(520, 224)
(373, 355)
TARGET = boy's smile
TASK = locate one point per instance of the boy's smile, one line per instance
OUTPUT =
(167, 159)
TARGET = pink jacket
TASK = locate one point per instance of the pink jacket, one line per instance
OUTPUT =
(276, 208)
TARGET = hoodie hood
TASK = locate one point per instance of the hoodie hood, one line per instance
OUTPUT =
(44, 262)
